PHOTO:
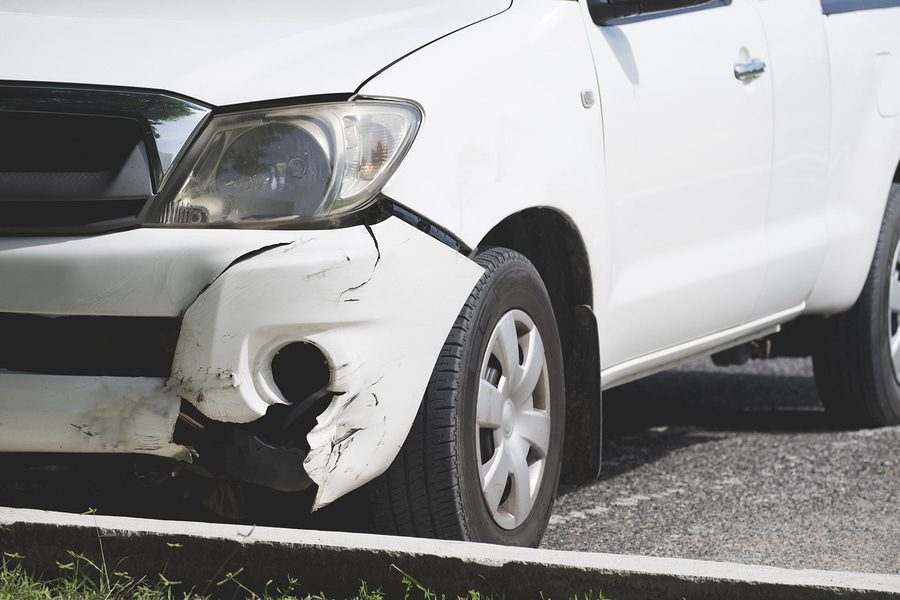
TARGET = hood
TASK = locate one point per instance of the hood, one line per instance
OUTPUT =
(223, 52)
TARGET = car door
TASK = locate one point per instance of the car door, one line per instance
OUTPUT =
(688, 162)
(801, 81)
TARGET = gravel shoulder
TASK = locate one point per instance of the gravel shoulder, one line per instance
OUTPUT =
(737, 465)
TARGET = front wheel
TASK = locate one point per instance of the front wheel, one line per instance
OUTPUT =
(857, 365)
(482, 460)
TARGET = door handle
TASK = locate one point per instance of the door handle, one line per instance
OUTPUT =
(749, 71)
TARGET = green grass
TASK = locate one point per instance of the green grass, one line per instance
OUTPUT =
(85, 579)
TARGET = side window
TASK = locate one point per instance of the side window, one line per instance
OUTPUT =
(606, 13)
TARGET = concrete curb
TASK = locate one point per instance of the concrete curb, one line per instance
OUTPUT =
(334, 562)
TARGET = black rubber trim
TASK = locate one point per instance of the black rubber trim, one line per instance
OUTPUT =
(90, 87)
(423, 224)
(667, 13)
(834, 7)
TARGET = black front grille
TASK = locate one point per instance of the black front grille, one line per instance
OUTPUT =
(62, 173)
(106, 150)
(93, 346)
(39, 142)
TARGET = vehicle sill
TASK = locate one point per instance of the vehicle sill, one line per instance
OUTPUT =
(670, 357)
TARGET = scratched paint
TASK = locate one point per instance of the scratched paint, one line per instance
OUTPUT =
(355, 294)
(79, 414)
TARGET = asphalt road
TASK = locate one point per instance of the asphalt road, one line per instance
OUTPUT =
(737, 464)
(729, 464)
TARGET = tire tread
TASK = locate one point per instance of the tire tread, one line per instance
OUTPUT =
(847, 360)
(418, 495)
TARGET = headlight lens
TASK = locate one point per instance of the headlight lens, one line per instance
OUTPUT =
(281, 165)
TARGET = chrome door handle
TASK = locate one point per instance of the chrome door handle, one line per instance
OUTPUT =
(749, 71)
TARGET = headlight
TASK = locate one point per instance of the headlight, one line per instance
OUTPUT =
(288, 164)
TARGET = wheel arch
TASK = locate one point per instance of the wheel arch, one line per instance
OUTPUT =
(554, 245)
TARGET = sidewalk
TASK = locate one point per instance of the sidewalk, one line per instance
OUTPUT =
(335, 562)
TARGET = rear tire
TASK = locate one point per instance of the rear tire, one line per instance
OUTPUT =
(857, 363)
(469, 470)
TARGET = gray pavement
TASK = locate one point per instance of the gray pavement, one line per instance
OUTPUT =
(737, 465)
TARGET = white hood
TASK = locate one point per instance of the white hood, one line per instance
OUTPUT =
(222, 52)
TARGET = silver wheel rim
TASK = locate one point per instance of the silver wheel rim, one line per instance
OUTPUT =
(894, 312)
(512, 419)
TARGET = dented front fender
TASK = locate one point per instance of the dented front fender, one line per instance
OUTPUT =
(378, 301)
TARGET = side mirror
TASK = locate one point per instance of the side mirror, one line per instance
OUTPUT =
(604, 11)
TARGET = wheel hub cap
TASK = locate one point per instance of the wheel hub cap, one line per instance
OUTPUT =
(509, 418)
(512, 429)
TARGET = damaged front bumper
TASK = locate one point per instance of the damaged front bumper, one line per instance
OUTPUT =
(377, 301)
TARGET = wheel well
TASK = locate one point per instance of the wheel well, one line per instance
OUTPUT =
(555, 247)
(550, 241)
(897, 174)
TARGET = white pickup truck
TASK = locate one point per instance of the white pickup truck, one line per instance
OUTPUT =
(312, 246)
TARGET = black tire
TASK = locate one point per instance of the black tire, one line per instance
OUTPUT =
(433, 488)
(854, 371)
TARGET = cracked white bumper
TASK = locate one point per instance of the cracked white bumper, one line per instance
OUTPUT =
(59, 413)
(378, 302)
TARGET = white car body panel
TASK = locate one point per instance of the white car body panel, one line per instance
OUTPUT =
(759, 257)
(653, 362)
(223, 53)
(711, 210)
(502, 147)
(689, 153)
(146, 272)
(864, 150)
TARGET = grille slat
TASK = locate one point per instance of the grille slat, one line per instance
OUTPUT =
(88, 346)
